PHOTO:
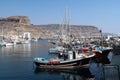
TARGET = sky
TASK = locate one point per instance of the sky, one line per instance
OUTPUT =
(104, 14)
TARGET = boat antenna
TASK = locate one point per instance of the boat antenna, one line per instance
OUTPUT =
(101, 38)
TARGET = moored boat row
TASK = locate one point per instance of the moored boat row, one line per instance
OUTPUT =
(75, 58)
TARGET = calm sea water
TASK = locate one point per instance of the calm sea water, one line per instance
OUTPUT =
(16, 63)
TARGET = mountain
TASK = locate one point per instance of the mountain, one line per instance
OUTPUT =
(17, 25)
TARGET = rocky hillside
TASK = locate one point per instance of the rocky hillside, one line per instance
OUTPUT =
(77, 30)
(17, 25)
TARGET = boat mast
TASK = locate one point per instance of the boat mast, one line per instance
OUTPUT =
(67, 21)
(2, 34)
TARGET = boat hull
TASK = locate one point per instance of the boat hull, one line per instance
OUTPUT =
(73, 64)
(102, 57)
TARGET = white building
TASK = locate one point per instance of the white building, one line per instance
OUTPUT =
(27, 35)
(107, 37)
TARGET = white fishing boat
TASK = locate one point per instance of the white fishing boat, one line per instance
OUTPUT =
(72, 62)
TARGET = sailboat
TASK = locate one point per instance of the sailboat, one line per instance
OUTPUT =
(63, 37)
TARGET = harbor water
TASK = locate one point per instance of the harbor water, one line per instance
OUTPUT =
(16, 63)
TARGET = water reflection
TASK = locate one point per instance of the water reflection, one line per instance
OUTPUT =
(81, 74)
(17, 61)
(96, 70)
(16, 50)
(34, 49)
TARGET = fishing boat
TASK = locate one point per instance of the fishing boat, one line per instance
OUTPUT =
(73, 62)
(98, 50)
(101, 55)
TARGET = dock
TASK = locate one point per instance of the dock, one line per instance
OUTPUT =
(112, 71)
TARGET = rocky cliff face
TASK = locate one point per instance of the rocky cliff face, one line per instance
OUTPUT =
(16, 19)
(17, 25)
